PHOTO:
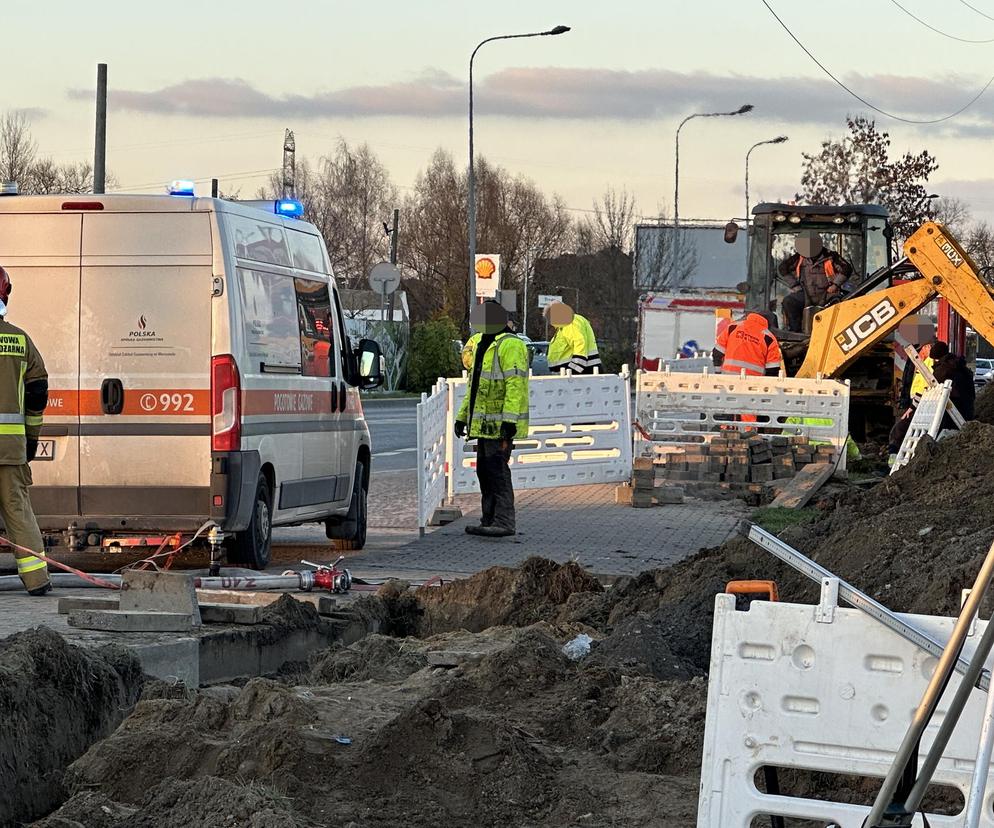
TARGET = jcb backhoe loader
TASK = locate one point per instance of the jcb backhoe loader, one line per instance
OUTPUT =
(849, 337)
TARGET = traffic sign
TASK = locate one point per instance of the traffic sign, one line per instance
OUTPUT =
(487, 275)
(544, 300)
(384, 278)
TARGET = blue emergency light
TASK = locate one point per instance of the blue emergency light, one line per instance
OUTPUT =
(289, 208)
(180, 187)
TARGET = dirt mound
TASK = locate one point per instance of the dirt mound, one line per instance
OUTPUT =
(200, 803)
(514, 734)
(56, 700)
(499, 596)
(912, 542)
(640, 645)
(984, 406)
(376, 657)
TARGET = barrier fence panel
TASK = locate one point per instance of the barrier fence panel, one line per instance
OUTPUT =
(794, 686)
(927, 419)
(677, 408)
(432, 439)
(579, 432)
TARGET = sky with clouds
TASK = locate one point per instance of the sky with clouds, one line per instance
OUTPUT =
(201, 89)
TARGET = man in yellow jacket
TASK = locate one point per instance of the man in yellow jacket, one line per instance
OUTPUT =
(493, 412)
(23, 399)
(573, 346)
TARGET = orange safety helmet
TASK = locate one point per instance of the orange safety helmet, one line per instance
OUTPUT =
(5, 285)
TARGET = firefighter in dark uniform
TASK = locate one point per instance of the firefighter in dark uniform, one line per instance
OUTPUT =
(23, 398)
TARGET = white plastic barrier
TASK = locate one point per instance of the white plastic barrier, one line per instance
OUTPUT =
(693, 365)
(927, 419)
(820, 688)
(677, 408)
(580, 431)
(432, 441)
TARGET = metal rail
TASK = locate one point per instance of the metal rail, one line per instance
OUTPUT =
(860, 600)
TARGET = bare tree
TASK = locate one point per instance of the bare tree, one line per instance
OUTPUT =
(514, 219)
(611, 225)
(348, 197)
(952, 213)
(17, 148)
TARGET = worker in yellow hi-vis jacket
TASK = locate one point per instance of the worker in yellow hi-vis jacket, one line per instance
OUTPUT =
(574, 346)
(23, 398)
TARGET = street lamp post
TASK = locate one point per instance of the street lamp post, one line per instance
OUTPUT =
(742, 110)
(558, 30)
(780, 139)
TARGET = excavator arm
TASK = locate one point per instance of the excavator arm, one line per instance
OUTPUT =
(843, 331)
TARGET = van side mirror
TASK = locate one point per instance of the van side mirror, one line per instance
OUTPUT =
(731, 232)
(369, 358)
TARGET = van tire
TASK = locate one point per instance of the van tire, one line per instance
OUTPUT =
(253, 547)
(350, 534)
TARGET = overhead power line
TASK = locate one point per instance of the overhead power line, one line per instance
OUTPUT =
(863, 100)
(978, 11)
(930, 27)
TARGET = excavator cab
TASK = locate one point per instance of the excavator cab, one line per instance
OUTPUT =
(860, 233)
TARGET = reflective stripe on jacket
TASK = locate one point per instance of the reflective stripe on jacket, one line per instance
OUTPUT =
(502, 393)
(749, 345)
(919, 385)
(574, 347)
(23, 393)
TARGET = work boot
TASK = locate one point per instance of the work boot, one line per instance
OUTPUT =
(495, 531)
(44, 589)
(474, 529)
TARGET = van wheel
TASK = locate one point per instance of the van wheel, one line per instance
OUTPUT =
(252, 548)
(350, 533)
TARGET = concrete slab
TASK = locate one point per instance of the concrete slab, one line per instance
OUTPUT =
(153, 591)
(216, 653)
(128, 621)
(230, 613)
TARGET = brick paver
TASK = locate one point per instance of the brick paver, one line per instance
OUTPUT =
(580, 523)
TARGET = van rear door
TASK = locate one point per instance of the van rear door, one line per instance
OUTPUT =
(41, 253)
(144, 356)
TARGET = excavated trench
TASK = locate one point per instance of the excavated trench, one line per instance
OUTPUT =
(464, 710)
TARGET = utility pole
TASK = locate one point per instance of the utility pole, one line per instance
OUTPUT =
(289, 165)
(100, 136)
(215, 187)
(393, 251)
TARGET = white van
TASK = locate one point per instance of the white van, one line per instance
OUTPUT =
(198, 370)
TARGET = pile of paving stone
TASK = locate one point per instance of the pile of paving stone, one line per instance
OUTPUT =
(733, 462)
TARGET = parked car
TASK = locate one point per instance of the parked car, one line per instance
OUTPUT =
(984, 372)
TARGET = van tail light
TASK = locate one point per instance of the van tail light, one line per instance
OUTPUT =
(226, 404)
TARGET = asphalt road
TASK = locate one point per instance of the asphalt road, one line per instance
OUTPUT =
(393, 432)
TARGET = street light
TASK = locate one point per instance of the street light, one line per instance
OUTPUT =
(742, 110)
(558, 30)
(780, 139)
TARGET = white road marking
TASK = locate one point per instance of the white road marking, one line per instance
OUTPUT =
(392, 453)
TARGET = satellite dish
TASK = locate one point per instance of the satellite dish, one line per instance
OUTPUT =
(384, 278)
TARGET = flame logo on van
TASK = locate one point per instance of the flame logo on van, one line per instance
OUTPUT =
(142, 323)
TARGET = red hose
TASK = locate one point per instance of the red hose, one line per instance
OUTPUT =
(100, 582)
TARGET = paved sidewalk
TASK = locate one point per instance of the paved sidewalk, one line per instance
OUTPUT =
(571, 522)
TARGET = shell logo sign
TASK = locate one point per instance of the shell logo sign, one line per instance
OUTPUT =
(487, 268)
